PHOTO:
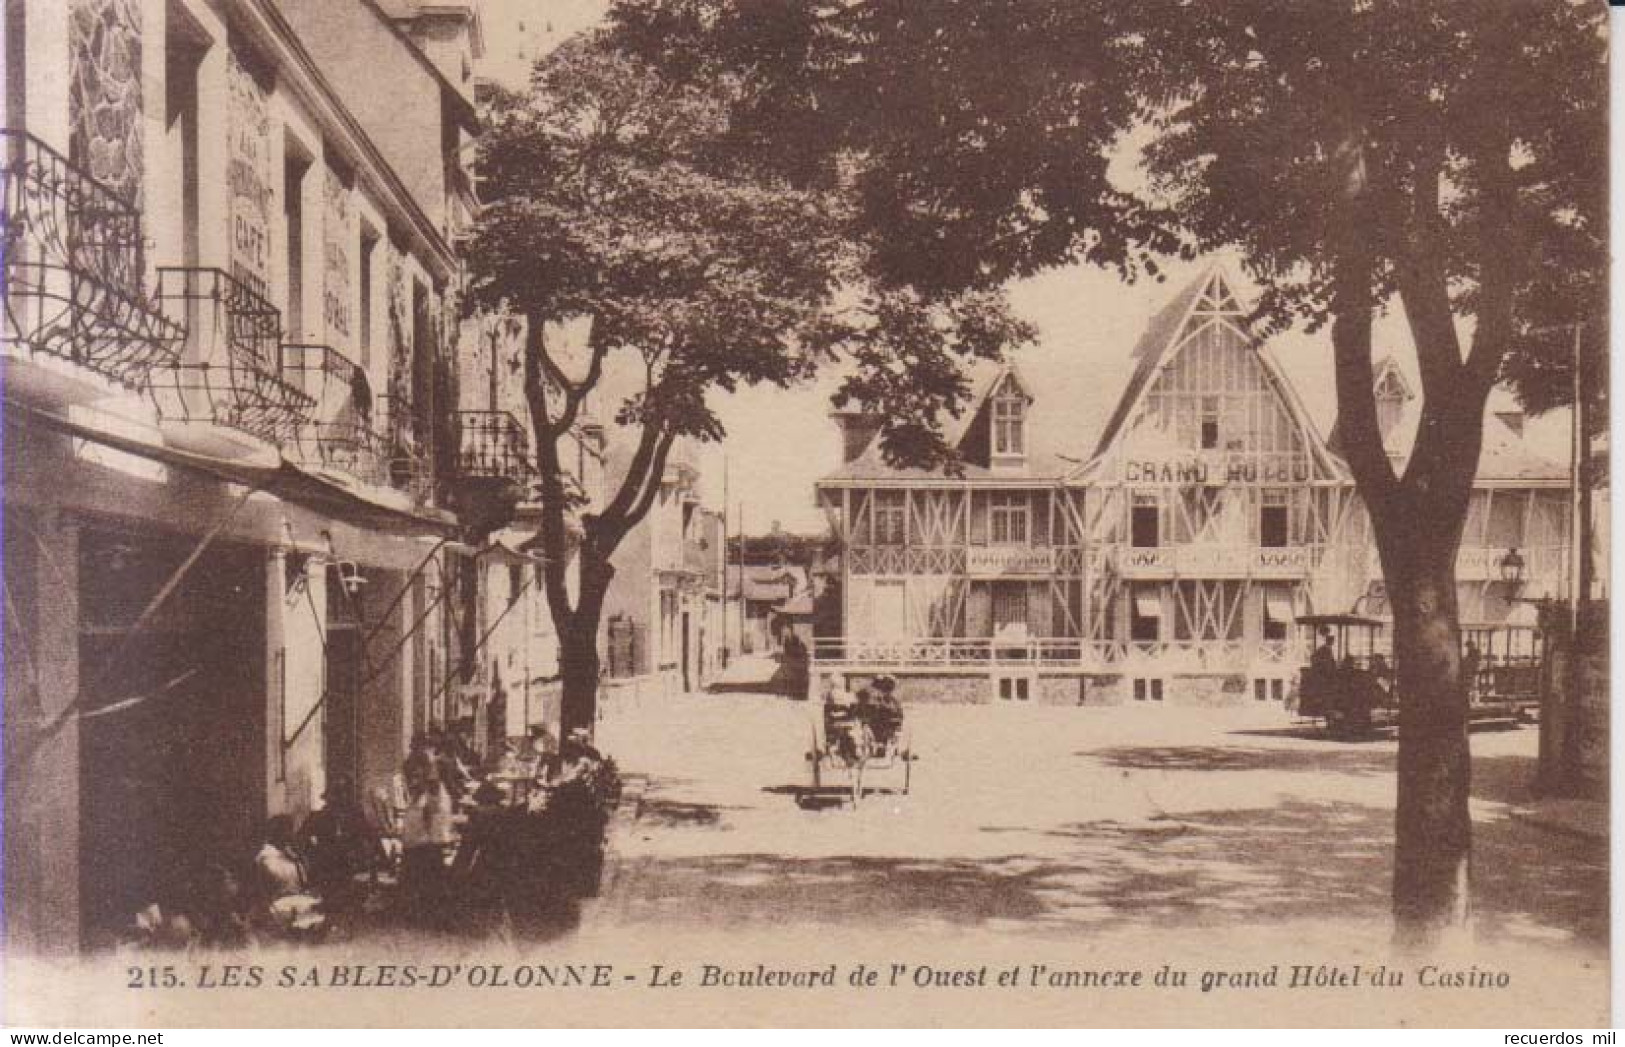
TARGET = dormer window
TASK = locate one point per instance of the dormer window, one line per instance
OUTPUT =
(1391, 393)
(1010, 424)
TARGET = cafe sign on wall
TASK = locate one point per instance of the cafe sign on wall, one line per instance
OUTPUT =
(994, 561)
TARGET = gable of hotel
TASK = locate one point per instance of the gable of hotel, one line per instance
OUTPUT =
(1166, 558)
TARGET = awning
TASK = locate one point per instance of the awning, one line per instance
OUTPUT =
(354, 503)
(250, 469)
(377, 508)
(1148, 606)
(1278, 609)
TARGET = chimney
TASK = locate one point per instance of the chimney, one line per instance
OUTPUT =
(857, 433)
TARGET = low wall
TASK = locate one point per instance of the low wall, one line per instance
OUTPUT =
(1071, 689)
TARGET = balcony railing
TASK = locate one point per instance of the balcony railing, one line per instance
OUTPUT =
(404, 462)
(492, 445)
(336, 384)
(71, 286)
(344, 430)
(233, 376)
(1269, 657)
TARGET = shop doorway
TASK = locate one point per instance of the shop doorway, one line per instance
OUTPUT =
(341, 723)
(342, 680)
(171, 732)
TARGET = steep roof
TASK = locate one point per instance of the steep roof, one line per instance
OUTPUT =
(1085, 392)
(1539, 453)
(1207, 298)
(769, 582)
(1148, 354)
(1051, 434)
(1508, 456)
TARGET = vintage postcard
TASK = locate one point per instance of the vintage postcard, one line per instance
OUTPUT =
(858, 512)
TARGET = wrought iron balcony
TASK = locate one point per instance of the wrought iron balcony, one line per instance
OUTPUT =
(492, 445)
(71, 277)
(336, 384)
(339, 432)
(404, 463)
(235, 339)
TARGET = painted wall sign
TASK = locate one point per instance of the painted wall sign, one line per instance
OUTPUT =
(249, 168)
(336, 238)
(1215, 470)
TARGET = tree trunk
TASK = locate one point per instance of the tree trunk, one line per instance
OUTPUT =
(1432, 827)
(578, 666)
(579, 663)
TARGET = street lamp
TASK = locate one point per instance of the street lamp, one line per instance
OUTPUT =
(1512, 565)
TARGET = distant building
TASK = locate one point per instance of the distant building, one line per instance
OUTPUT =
(1160, 550)
(759, 592)
(663, 614)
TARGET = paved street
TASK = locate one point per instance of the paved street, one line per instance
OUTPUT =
(1054, 821)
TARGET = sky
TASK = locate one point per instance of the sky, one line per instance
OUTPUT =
(781, 441)
(518, 31)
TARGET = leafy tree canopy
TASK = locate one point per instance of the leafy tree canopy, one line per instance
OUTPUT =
(616, 193)
(981, 136)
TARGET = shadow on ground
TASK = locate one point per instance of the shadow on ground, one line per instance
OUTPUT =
(1300, 859)
(1339, 760)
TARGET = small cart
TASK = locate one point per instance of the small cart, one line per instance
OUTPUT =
(855, 746)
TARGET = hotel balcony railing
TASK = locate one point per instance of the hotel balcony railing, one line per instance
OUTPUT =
(492, 445)
(71, 283)
(234, 348)
(1265, 657)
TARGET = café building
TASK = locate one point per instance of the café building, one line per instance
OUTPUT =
(1152, 543)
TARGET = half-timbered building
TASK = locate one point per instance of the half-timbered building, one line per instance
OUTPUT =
(1160, 552)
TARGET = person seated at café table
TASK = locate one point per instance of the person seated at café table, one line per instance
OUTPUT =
(289, 908)
(577, 756)
(339, 843)
(426, 835)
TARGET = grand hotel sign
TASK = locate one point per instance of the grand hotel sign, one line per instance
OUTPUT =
(1215, 470)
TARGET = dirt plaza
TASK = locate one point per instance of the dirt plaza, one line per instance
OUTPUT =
(1050, 821)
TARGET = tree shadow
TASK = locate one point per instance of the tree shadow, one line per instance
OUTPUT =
(670, 814)
(1233, 758)
(1316, 732)
(1297, 860)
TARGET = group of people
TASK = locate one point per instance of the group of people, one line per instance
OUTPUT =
(436, 831)
(865, 723)
(302, 873)
(461, 816)
(1349, 692)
